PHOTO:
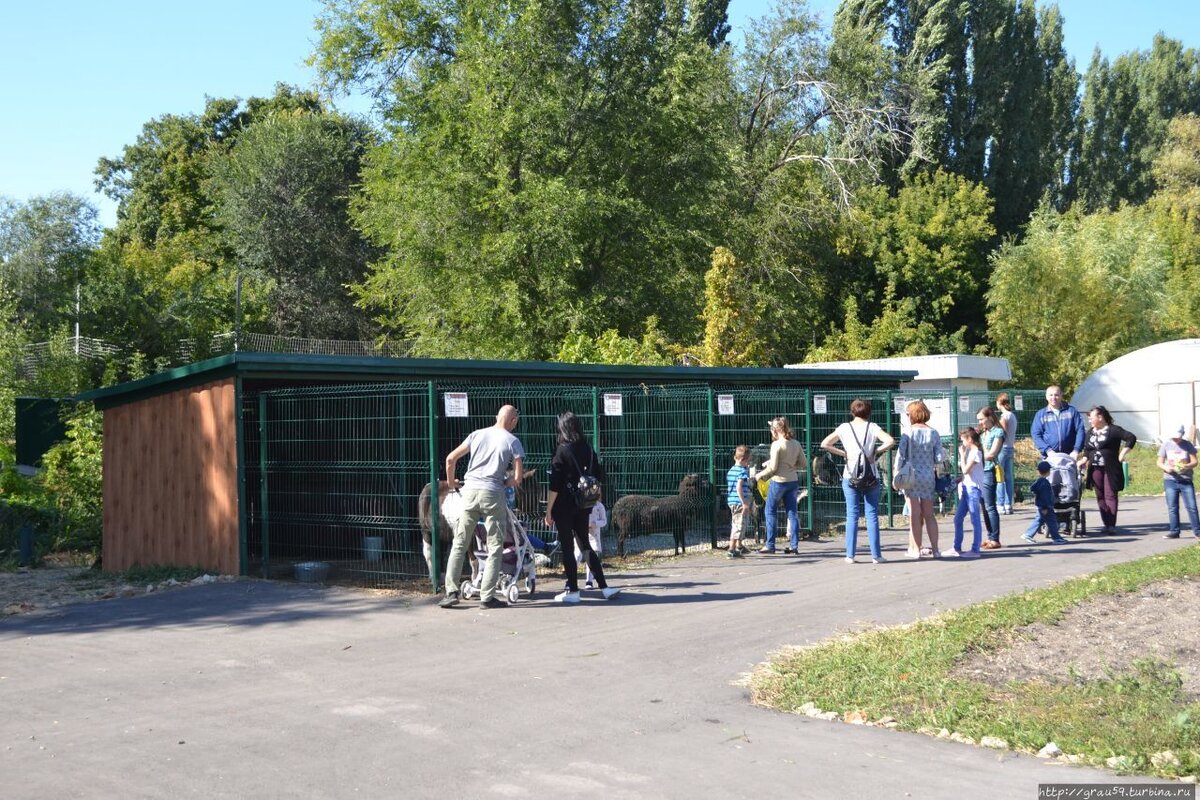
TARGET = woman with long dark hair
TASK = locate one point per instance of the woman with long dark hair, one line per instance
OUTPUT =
(1105, 448)
(573, 457)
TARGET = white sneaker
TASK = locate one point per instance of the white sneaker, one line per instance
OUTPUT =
(880, 560)
(849, 560)
(913, 554)
(610, 592)
(951, 553)
(567, 597)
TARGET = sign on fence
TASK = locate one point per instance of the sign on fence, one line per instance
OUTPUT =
(725, 404)
(820, 404)
(456, 404)
(612, 405)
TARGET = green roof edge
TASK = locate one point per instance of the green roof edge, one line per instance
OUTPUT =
(323, 367)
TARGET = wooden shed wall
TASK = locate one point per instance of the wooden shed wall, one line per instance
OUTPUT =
(170, 480)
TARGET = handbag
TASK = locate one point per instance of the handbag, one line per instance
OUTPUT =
(999, 474)
(905, 478)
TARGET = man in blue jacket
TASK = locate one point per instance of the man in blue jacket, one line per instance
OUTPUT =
(1058, 426)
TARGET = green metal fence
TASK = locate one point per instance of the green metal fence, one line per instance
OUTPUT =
(333, 474)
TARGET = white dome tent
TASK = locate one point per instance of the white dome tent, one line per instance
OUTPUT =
(1150, 392)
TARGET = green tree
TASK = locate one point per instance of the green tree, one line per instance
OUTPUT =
(283, 195)
(551, 167)
(1077, 292)
(46, 245)
(993, 91)
(1176, 206)
(732, 321)
(610, 347)
(1127, 107)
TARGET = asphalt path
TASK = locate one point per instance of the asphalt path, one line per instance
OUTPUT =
(259, 689)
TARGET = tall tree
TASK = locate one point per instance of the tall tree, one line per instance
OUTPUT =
(993, 90)
(1127, 107)
(283, 195)
(46, 244)
(551, 167)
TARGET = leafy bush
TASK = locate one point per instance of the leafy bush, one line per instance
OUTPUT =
(71, 481)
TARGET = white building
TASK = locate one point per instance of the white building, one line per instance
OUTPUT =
(1149, 391)
(934, 373)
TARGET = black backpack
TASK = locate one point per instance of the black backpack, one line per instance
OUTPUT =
(587, 490)
(862, 472)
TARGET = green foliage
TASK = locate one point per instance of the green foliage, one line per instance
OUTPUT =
(283, 194)
(157, 573)
(555, 166)
(1078, 292)
(1127, 108)
(72, 480)
(993, 92)
(1177, 212)
(46, 245)
(731, 319)
(610, 347)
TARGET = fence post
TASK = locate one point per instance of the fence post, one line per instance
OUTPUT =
(808, 455)
(262, 484)
(435, 573)
(954, 432)
(891, 495)
(712, 466)
(596, 418)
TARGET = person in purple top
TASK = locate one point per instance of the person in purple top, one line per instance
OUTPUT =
(1058, 427)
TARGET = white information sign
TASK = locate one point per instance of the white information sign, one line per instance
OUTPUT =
(612, 405)
(898, 404)
(725, 404)
(939, 417)
(964, 405)
(1019, 403)
(456, 404)
(819, 404)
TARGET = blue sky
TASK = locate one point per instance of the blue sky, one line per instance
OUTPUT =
(81, 77)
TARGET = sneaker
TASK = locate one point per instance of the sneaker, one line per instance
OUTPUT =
(950, 553)
(743, 549)
(589, 586)
(913, 554)
(610, 592)
(449, 601)
(1170, 535)
(969, 554)
(879, 560)
(1058, 540)
(1027, 538)
(567, 597)
(849, 559)
(734, 554)
(991, 544)
(789, 551)
(491, 602)
(766, 551)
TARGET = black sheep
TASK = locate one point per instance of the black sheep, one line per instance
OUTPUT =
(637, 514)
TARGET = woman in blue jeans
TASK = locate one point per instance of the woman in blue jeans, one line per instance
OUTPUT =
(1005, 493)
(783, 471)
(860, 439)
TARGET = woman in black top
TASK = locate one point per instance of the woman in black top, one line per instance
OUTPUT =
(1105, 447)
(573, 456)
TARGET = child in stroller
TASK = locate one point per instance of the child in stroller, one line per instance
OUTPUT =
(517, 566)
(1067, 486)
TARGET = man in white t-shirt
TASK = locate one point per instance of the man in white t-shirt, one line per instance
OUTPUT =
(493, 450)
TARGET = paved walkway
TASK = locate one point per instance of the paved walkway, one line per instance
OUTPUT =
(254, 689)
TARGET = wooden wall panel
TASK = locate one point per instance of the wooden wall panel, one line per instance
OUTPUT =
(170, 480)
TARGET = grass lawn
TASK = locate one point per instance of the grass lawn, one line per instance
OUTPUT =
(906, 673)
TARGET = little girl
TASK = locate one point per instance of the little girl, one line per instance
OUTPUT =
(970, 464)
(596, 522)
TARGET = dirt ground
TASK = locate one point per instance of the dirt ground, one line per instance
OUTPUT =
(1104, 636)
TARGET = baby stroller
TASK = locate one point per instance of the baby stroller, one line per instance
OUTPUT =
(517, 566)
(1067, 486)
